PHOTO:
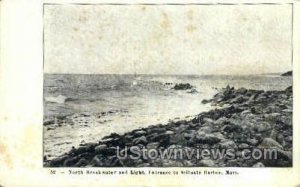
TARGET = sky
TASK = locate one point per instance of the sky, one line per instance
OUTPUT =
(167, 39)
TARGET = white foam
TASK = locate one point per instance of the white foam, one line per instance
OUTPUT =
(59, 99)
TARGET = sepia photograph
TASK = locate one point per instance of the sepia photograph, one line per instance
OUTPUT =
(168, 85)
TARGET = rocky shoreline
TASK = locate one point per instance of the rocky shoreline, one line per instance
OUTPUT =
(246, 119)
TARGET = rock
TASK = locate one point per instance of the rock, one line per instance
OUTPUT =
(144, 165)
(160, 137)
(81, 162)
(107, 139)
(274, 134)
(231, 128)
(258, 165)
(182, 86)
(100, 148)
(288, 111)
(178, 138)
(85, 114)
(140, 140)
(171, 163)
(221, 121)
(187, 163)
(96, 161)
(112, 161)
(227, 144)
(150, 136)
(127, 162)
(287, 120)
(232, 163)
(204, 138)
(163, 139)
(289, 90)
(81, 150)
(70, 161)
(283, 159)
(241, 91)
(153, 145)
(206, 129)
(280, 138)
(245, 113)
(207, 120)
(206, 163)
(263, 126)
(269, 143)
(139, 162)
(243, 146)
(252, 141)
(109, 151)
(205, 101)
(271, 108)
(140, 132)
(288, 139)
(58, 161)
(111, 136)
(90, 147)
(287, 155)
(227, 93)
(169, 132)
(48, 122)
(239, 99)
(188, 136)
(219, 135)
(175, 146)
(158, 130)
(128, 137)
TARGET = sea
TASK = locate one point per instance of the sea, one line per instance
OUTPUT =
(99, 105)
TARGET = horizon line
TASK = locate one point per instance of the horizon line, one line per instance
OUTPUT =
(271, 73)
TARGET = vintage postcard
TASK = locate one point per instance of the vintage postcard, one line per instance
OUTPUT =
(162, 86)
(157, 90)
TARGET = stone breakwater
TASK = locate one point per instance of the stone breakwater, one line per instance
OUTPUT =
(246, 119)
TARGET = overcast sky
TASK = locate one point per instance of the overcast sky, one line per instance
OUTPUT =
(228, 39)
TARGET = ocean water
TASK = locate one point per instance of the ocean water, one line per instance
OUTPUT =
(120, 103)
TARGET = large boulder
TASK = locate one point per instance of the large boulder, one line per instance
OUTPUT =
(258, 165)
(100, 148)
(206, 163)
(204, 138)
(269, 143)
(183, 86)
(263, 127)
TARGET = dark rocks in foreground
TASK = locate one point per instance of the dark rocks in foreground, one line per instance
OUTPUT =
(289, 73)
(249, 119)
